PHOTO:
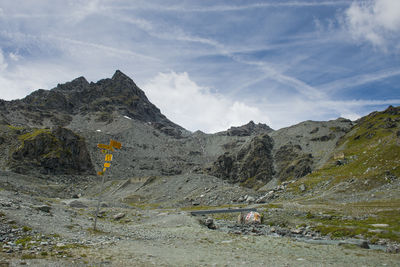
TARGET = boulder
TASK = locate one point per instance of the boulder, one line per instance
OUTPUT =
(119, 216)
(209, 222)
(44, 208)
(302, 187)
(250, 199)
(364, 244)
(393, 249)
(77, 204)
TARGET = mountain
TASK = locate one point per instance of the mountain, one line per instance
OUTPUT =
(252, 155)
(104, 99)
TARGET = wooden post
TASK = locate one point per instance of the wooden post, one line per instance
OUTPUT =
(98, 204)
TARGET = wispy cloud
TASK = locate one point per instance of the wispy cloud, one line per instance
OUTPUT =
(104, 48)
(336, 86)
(226, 8)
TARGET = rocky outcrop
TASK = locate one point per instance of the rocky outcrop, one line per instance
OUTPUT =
(248, 129)
(251, 166)
(292, 162)
(59, 151)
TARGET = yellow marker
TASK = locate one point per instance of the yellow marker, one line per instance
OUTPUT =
(107, 165)
(104, 169)
(115, 144)
(103, 146)
(108, 157)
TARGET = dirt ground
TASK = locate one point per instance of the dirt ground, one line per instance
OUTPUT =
(154, 237)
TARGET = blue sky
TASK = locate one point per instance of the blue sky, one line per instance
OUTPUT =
(210, 65)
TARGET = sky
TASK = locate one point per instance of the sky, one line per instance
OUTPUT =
(210, 64)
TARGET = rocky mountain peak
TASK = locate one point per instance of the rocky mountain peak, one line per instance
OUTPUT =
(119, 75)
(249, 129)
(103, 100)
(77, 84)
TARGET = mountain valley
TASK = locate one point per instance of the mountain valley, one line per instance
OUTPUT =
(326, 190)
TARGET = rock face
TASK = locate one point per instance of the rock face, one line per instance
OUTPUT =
(292, 162)
(253, 164)
(59, 151)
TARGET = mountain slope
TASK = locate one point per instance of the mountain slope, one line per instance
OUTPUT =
(366, 158)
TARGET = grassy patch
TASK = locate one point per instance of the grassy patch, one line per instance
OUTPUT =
(26, 228)
(23, 241)
(29, 256)
(375, 213)
(272, 206)
(371, 152)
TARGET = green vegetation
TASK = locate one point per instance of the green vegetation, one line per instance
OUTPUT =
(29, 256)
(371, 150)
(24, 241)
(373, 220)
(26, 228)
(44, 253)
(15, 128)
(253, 183)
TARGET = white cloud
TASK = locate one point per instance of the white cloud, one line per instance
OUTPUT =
(21, 80)
(377, 22)
(350, 116)
(14, 56)
(3, 63)
(195, 107)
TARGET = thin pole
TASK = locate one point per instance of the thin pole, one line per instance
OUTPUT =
(98, 203)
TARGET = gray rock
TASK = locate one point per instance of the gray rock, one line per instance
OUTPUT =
(393, 249)
(296, 231)
(77, 204)
(119, 216)
(250, 199)
(44, 208)
(364, 244)
(209, 222)
(302, 187)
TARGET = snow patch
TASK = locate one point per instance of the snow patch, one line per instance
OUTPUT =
(127, 117)
(98, 130)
